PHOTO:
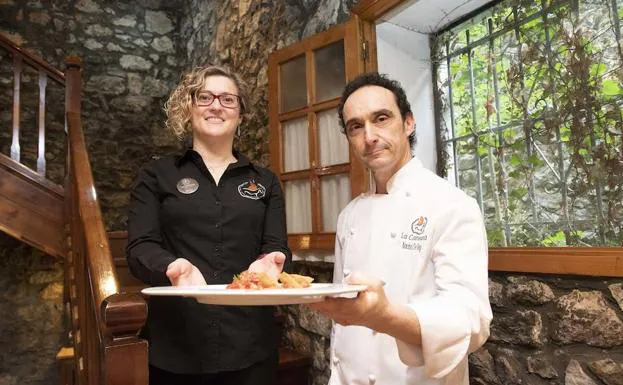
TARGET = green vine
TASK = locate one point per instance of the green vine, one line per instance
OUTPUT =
(536, 106)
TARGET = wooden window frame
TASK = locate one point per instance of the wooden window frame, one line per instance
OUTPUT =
(352, 32)
(589, 261)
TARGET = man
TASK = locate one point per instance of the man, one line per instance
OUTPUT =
(419, 244)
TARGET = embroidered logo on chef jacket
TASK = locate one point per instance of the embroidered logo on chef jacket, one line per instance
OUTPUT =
(252, 190)
(419, 225)
(187, 185)
(413, 240)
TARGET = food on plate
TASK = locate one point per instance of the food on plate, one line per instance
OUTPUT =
(258, 281)
(295, 280)
(252, 280)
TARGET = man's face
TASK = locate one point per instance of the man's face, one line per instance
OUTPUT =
(375, 129)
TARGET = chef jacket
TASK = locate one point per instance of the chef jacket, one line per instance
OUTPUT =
(178, 211)
(426, 240)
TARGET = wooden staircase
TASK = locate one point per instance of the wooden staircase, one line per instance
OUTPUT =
(104, 307)
(31, 207)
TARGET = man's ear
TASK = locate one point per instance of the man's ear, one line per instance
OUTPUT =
(409, 124)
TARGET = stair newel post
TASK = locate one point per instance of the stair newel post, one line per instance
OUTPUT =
(126, 358)
(73, 84)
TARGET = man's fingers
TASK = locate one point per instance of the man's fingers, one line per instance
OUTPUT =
(359, 279)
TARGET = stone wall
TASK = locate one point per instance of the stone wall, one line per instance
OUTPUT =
(130, 52)
(546, 330)
(31, 305)
(131, 60)
(241, 34)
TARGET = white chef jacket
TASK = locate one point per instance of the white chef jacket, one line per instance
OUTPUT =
(426, 239)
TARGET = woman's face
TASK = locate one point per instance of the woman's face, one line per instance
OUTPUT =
(216, 108)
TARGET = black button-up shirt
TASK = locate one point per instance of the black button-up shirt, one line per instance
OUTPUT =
(221, 229)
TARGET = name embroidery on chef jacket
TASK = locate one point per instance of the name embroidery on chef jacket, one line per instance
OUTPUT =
(251, 190)
(412, 239)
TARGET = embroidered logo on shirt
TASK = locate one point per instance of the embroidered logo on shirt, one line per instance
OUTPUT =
(419, 225)
(187, 185)
(413, 240)
(251, 190)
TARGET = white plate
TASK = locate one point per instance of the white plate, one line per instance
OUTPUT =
(220, 295)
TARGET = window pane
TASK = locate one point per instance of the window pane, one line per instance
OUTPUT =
(298, 206)
(335, 195)
(293, 85)
(333, 144)
(534, 122)
(330, 71)
(295, 145)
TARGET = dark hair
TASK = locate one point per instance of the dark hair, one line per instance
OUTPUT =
(380, 80)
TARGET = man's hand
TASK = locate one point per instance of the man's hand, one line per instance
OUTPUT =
(271, 264)
(370, 308)
(183, 273)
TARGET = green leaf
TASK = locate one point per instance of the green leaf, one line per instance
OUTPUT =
(610, 87)
(598, 69)
(534, 160)
(558, 239)
(515, 160)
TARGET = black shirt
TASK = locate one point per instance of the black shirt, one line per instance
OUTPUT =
(221, 230)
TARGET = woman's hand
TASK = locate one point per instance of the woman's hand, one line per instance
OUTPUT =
(183, 273)
(271, 264)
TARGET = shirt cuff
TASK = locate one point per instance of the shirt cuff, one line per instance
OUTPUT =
(445, 338)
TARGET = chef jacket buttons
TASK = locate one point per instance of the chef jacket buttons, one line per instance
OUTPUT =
(346, 272)
(336, 360)
(372, 378)
(352, 230)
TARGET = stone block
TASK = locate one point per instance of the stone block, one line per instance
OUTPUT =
(586, 317)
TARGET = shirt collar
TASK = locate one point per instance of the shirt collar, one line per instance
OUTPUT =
(189, 154)
(403, 178)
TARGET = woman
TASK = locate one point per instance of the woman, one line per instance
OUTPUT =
(200, 217)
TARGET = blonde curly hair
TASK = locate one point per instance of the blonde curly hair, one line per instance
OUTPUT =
(178, 106)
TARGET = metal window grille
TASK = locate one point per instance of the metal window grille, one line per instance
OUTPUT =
(528, 97)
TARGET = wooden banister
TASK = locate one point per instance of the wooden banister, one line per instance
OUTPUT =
(22, 58)
(31, 59)
(105, 320)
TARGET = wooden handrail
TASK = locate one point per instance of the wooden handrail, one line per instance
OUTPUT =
(106, 321)
(32, 59)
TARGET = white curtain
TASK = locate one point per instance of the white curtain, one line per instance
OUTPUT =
(333, 144)
(298, 206)
(295, 145)
(335, 195)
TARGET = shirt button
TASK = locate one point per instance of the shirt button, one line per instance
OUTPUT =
(336, 360)
(352, 230)
(346, 272)
(372, 378)
(408, 194)
(218, 225)
(218, 203)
